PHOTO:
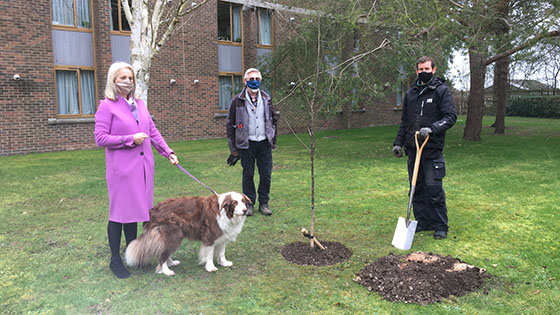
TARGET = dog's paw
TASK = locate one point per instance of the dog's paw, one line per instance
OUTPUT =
(226, 263)
(172, 263)
(167, 272)
(211, 268)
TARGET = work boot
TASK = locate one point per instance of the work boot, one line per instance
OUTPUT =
(264, 209)
(250, 209)
(439, 235)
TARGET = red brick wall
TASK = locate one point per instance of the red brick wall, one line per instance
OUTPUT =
(182, 111)
(186, 110)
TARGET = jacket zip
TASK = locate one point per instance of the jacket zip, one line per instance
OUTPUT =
(422, 109)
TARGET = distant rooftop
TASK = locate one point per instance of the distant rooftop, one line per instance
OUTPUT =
(526, 85)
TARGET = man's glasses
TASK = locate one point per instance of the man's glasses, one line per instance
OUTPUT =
(252, 79)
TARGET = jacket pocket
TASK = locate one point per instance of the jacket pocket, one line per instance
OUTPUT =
(439, 169)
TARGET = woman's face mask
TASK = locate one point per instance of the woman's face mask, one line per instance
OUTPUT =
(125, 87)
(125, 81)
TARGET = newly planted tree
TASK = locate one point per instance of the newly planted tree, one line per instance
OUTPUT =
(324, 71)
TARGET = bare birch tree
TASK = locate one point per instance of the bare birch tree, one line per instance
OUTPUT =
(145, 18)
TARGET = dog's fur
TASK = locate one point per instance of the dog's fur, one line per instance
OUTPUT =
(213, 220)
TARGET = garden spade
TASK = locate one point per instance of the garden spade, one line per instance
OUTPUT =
(404, 233)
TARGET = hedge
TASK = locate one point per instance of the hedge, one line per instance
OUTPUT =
(534, 106)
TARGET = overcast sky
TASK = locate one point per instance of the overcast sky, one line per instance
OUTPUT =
(459, 72)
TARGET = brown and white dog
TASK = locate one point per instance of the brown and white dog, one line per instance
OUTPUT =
(213, 220)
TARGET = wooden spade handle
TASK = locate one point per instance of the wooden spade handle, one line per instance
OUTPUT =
(418, 155)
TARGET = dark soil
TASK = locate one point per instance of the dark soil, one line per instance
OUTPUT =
(302, 254)
(421, 278)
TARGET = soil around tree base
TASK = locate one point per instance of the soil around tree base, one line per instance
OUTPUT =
(421, 278)
(302, 254)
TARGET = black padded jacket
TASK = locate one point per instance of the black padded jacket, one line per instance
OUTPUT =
(426, 106)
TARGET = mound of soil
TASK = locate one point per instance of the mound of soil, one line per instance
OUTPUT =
(420, 278)
(302, 254)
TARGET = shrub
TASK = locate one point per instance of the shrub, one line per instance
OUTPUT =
(534, 106)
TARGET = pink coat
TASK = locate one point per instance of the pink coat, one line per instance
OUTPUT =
(130, 168)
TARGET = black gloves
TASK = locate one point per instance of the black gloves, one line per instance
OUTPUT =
(232, 159)
(397, 151)
(424, 132)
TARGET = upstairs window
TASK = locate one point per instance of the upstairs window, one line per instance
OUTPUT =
(229, 22)
(119, 23)
(264, 28)
(73, 13)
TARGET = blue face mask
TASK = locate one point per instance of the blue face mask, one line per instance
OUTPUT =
(253, 84)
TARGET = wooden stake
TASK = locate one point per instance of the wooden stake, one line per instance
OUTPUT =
(306, 234)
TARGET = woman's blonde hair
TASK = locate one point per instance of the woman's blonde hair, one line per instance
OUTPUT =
(111, 89)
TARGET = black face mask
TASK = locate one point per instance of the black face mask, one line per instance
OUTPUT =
(425, 77)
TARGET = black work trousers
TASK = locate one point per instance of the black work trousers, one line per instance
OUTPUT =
(261, 152)
(430, 209)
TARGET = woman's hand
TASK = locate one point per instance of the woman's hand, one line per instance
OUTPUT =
(173, 159)
(139, 138)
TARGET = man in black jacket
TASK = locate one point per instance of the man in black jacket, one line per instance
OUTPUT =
(428, 108)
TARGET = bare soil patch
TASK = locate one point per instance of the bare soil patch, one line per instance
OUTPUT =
(302, 254)
(421, 278)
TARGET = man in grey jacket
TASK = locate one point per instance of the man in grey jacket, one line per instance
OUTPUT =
(251, 131)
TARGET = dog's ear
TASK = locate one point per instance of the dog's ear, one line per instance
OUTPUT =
(246, 200)
(229, 206)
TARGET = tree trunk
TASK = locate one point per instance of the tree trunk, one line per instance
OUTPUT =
(501, 71)
(475, 104)
(312, 155)
(140, 48)
(500, 93)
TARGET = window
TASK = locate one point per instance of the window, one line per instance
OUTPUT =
(119, 23)
(229, 22)
(264, 28)
(73, 57)
(230, 85)
(75, 91)
(73, 13)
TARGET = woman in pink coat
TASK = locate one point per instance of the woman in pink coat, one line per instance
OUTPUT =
(125, 128)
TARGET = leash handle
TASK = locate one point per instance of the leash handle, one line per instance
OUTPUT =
(184, 170)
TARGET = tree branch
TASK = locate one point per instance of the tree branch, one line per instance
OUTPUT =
(127, 12)
(526, 44)
(180, 12)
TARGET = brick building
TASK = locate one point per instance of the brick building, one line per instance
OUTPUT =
(61, 50)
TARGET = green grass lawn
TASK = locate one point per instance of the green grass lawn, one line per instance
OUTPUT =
(503, 195)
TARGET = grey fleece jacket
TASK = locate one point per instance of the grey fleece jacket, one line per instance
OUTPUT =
(237, 122)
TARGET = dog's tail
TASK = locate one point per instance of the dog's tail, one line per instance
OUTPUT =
(141, 251)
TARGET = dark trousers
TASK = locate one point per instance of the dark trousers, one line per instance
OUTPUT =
(261, 152)
(430, 209)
